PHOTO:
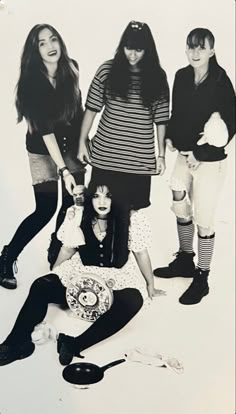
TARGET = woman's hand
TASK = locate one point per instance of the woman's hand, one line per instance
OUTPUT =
(69, 182)
(161, 165)
(153, 292)
(83, 155)
(169, 145)
(192, 162)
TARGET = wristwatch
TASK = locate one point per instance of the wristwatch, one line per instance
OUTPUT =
(61, 170)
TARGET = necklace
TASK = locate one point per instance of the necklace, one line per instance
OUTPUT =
(196, 84)
(100, 234)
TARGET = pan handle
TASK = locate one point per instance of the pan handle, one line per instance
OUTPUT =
(112, 364)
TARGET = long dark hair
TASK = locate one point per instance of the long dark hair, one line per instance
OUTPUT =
(118, 222)
(197, 37)
(153, 78)
(67, 79)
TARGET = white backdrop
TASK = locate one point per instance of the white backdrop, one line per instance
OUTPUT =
(91, 31)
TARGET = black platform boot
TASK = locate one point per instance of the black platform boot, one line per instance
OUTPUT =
(198, 288)
(182, 266)
(7, 269)
(11, 353)
(53, 249)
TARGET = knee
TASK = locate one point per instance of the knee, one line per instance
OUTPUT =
(138, 301)
(46, 210)
(181, 206)
(132, 300)
(178, 195)
(205, 231)
(41, 286)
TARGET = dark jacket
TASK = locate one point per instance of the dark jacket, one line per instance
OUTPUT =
(192, 107)
(44, 109)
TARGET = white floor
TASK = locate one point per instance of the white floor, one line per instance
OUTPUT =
(200, 336)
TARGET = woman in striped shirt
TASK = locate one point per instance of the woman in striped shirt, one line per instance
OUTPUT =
(132, 91)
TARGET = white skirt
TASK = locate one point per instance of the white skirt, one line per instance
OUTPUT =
(126, 277)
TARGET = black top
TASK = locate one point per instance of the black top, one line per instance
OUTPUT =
(192, 107)
(44, 109)
(95, 252)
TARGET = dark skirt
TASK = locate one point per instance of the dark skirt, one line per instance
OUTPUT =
(130, 190)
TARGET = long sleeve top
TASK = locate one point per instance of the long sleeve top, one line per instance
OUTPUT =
(44, 108)
(192, 106)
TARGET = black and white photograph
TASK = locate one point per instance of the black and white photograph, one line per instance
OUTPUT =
(117, 177)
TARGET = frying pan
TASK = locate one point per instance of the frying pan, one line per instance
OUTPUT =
(86, 373)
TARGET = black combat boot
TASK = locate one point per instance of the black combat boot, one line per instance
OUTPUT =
(11, 353)
(7, 269)
(53, 249)
(182, 266)
(198, 288)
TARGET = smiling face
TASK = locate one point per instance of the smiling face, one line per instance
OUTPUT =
(134, 56)
(101, 201)
(49, 47)
(199, 56)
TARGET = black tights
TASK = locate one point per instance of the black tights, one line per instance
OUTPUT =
(46, 198)
(48, 289)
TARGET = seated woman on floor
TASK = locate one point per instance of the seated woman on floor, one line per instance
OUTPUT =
(109, 234)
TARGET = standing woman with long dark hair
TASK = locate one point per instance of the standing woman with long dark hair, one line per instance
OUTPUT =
(133, 93)
(49, 98)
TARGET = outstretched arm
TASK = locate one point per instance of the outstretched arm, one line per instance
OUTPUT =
(144, 263)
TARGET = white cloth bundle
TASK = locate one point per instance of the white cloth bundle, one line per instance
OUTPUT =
(70, 232)
(43, 332)
(215, 132)
(148, 356)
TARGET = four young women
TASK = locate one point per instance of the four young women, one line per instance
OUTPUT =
(132, 92)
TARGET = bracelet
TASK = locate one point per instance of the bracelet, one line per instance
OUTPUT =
(61, 170)
(161, 156)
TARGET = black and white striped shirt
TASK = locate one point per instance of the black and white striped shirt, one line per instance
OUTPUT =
(124, 140)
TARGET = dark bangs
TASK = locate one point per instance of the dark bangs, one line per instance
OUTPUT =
(197, 37)
(135, 36)
(135, 40)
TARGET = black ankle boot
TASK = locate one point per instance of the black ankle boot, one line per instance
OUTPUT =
(67, 348)
(198, 288)
(53, 249)
(182, 266)
(11, 353)
(7, 269)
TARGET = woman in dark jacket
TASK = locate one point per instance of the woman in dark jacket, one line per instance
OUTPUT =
(201, 125)
(49, 98)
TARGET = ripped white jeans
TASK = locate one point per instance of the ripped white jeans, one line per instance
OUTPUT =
(202, 187)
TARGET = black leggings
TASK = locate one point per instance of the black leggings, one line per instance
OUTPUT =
(46, 198)
(48, 289)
